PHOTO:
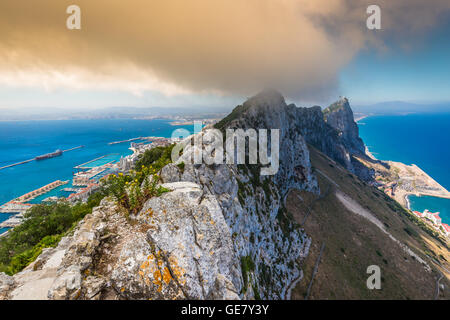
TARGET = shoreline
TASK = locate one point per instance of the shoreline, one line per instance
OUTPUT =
(445, 194)
(409, 173)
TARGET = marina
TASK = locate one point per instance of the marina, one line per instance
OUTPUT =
(14, 207)
(12, 222)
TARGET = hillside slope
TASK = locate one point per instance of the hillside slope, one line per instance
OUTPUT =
(352, 241)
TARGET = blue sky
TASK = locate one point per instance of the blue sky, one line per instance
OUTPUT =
(417, 74)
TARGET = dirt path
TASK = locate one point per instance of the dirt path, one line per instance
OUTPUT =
(316, 267)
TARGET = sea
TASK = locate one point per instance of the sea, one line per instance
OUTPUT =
(421, 139)
(23, 140)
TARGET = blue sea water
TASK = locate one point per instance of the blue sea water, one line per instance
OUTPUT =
(22, 140)
(421, 139)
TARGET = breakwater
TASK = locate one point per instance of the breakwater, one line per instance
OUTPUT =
(29, 160)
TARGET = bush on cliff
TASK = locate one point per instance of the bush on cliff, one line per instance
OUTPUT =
(156, 157)
(133, 189)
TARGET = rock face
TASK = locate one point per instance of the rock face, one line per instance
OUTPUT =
(339, 115)
(268, 245)
(178, 247)
(222, 232)
(185, 252)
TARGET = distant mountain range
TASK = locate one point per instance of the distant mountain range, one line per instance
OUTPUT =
(110, 113)
(390, 107)
(401, 107)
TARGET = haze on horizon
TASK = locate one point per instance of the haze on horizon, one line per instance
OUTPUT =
(215, 53)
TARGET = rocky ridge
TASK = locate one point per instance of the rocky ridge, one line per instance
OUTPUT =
(222, 232)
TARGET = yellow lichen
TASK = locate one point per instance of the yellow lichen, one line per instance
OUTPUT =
(156, 269)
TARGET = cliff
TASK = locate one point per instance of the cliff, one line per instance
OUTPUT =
(339, 115)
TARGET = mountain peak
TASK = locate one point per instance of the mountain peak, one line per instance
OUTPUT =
(339, 115)
(267, 97)
(341, 104)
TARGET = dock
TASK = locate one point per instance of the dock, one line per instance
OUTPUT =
(71, 189)
(12, 222)
(14, 207)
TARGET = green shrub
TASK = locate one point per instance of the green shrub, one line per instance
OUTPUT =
(43, 227)
(247, 266)
(20, 261)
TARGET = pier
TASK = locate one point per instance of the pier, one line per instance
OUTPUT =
(82, 166)
(123, 141)
(84, 178)
(29, 160)
(71, 149)
(16, 164)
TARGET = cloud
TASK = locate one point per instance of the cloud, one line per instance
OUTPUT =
(182, 46)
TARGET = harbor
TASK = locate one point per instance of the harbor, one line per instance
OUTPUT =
(85, 178)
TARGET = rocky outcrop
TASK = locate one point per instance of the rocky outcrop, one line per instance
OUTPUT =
(178, 247)
(185, 251)
(339, 115)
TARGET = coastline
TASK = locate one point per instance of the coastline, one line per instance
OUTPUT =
(359, 116)
(399, 181)
(410, 172)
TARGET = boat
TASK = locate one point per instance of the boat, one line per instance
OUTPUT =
(57, 153)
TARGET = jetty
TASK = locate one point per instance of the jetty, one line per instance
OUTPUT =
(37, 158)
(123, 141)
(16, 164)
(71, 149)
(83, 165)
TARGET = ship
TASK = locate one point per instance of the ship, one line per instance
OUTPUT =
(57, 153)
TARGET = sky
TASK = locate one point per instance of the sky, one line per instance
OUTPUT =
(420, 74)
(215, 53)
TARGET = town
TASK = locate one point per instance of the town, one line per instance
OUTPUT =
(434, 221)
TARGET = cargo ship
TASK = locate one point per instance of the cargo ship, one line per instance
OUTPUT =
(57, 153)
